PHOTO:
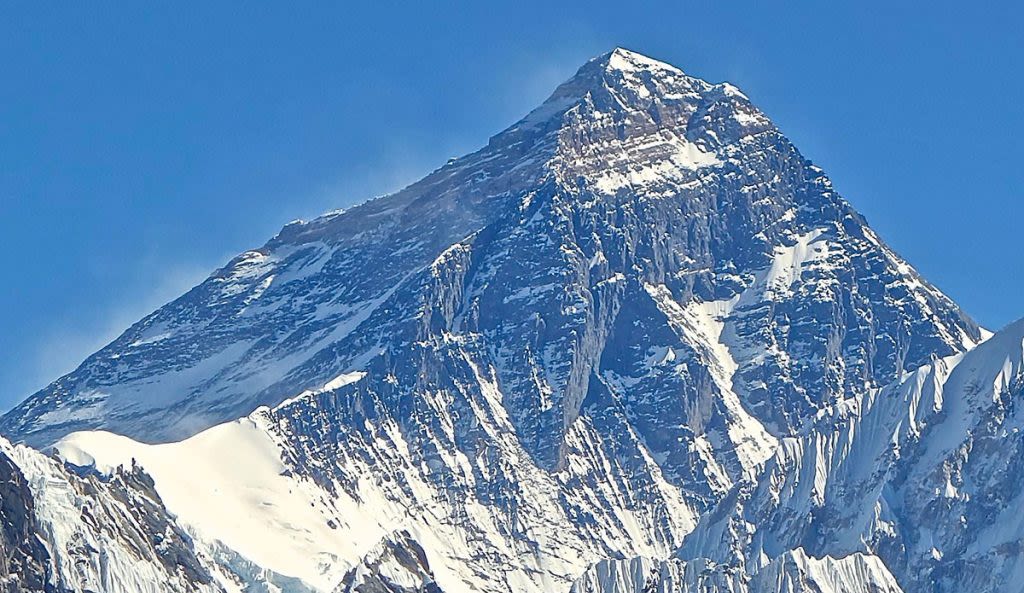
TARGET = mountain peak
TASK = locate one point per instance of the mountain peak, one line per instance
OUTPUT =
(623, 69)
(700, 167)
(627, 121)
(623, 60)
(619, 82)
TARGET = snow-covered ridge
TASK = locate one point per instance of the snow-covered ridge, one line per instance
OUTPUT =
(921, 473)
(110, 535)
(229, 485)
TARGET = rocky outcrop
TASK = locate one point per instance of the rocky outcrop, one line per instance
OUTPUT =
(24, 560)
(398, 564)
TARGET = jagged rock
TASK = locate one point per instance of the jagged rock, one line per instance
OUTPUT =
(792, 572)
(24, 560)
(396, 565)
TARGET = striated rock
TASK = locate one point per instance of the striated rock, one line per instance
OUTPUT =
(792, 572)
(925, 474)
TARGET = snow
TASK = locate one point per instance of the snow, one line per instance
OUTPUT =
(335, 383)
(237, 498)
(343, 380)
(791, 261)
(624, 60)
(82, 527)
(679, 156)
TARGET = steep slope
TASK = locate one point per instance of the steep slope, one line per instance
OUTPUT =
(925, 473)
(563, 348)
(71, 529)
(24, 560)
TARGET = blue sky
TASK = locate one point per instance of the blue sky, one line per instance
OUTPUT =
(142, 146)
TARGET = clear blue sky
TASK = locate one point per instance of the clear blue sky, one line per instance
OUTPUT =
(142, 146)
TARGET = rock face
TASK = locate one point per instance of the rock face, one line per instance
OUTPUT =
(638, 323)
(24, 560)
(396, 565)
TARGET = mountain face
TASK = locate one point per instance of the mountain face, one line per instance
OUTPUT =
(792, 572)
(924, 473)
(25, 558)
(636, 342)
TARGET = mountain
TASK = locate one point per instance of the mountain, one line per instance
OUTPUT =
(630, 168)
(604, 352)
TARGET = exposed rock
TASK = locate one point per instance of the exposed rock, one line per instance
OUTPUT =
(396, 565)
(24, 560)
